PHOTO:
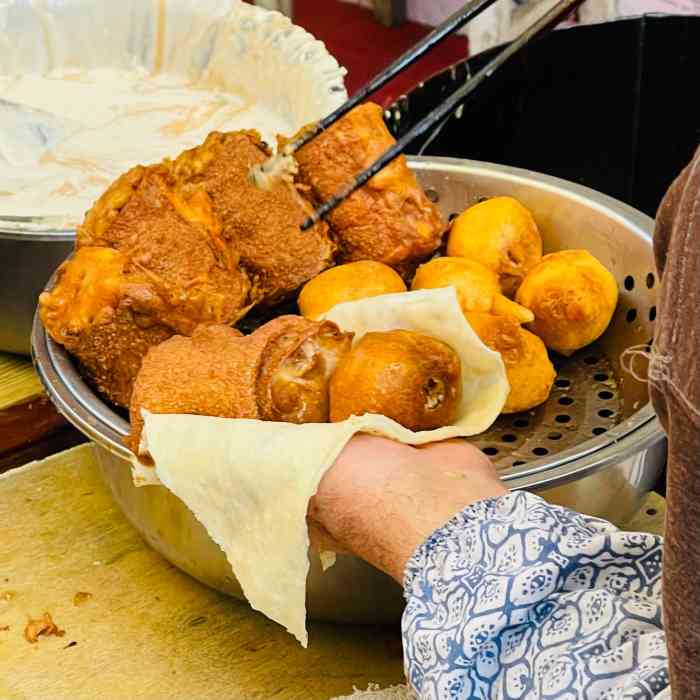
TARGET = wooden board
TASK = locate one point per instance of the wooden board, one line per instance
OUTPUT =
(149, 631)
(19, 382)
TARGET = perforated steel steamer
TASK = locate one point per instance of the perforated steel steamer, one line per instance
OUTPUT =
(595, 446)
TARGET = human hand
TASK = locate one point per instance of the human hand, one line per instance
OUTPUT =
(382, 498)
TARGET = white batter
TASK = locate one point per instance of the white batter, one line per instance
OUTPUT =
(96, 124)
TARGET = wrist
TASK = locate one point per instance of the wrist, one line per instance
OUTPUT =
(381, 499)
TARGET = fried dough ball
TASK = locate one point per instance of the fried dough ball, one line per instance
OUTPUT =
(390, 219)
(477, 286)
(349, 282)
(410, 377)
(262, 225)
(100, 313)
(280, 373)
(530, 373)
(501, 234)
(573, 297)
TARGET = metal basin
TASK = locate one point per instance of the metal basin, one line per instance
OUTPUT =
(599, 451)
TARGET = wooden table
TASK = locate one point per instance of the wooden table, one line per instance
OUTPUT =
(147, 631)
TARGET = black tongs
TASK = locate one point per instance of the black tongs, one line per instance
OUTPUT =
(457, 20)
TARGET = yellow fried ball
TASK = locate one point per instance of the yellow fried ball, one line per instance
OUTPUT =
(477, 286)
(573, 297)
(356, 280)
(501, 234)
(410, 377)
(529, 371)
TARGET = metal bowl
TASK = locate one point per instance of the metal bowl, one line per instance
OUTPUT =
(595, 446)
(188, 35)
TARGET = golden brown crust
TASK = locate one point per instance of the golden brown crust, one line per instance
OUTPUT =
(501, 234)
(150, 262)
(197, 375)
(349, 282)
(390, 219)
(219, 372)
(407, 376)
(263, 226)
(175, 239)
(294, 375)
(96, 310)
(477, 287)
(573, 297)
(529, 370)
(106, 209)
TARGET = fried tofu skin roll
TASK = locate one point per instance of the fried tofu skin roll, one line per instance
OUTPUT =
(390, 219)
(263, 226)
(530, 373)
(173, 235)
(573, 297)
(98, 310)
(279, 373)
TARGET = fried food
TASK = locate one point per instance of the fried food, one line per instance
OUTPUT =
(477, 287)
(409, 377)
(573, 297)
(529, 370)
(151, 261)
(263, 226)
(280, 373)
(390, 219)
(197, 244)
(99, 309)
(175, 238)
(349, 282)
(501, 234)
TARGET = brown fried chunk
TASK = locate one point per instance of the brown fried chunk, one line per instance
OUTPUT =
(173, 235)
(261, 225)
(390, 219)
(95, 311)
(43, 627)
(151, 261)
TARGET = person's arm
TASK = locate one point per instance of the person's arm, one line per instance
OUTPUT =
(507, 596)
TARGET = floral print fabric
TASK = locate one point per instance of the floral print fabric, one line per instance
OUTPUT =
(516, 598)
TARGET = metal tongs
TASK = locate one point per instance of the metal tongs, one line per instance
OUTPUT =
(435, 118)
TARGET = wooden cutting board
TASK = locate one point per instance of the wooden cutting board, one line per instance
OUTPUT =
(147, 631)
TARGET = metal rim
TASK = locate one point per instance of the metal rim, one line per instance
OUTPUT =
(79, 404)
(35, 229)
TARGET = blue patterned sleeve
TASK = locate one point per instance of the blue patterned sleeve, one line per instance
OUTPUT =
(516, 598)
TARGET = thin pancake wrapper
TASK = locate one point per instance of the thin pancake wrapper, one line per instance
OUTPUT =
(249, 481)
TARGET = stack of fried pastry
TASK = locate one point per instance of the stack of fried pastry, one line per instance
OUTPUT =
(193, 241)
(494, 261)
(173, 255)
